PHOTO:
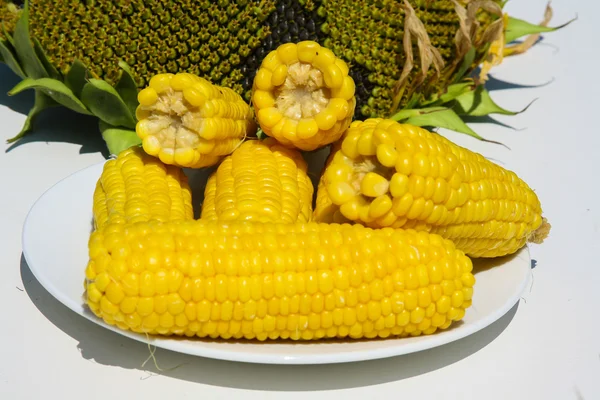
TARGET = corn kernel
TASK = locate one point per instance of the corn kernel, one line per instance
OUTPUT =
(339, 107)
(263, 99)
(334, 78)
(340, 192)
(307, 128)
(374, 185)
(387, 155)
(160, 82)
(278, 76)
(288, 53)
(307, 51)
(193, 96)
(325, 119)
(263, 78)
(380, 206)
(147, 96)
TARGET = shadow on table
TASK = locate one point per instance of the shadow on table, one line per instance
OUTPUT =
(20, 103)
(102, 346)
(494, 84)
(57, 124)
(490, 120)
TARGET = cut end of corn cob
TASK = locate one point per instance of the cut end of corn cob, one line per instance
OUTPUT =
(540, 234)
(383, 173)
(301, 281)
(260, 181)
(303, 95)
(186, 121)
(135, 187)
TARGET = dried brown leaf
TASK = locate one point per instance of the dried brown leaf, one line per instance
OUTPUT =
(466, 35)
(428, 53)
(462, 38)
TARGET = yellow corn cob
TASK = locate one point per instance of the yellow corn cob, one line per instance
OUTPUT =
(137, 187)
(303, 95)
(263, 281)
(189, 122)
(260, 181)
(383, 173)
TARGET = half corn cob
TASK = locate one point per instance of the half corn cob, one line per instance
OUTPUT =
(387, 174)
(252, 280)
(303, 95)
(261, 181)
(187, 121)
(137, 187)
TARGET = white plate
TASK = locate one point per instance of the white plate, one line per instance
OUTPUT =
(55, 238)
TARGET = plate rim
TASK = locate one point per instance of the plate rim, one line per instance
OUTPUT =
(393, 350)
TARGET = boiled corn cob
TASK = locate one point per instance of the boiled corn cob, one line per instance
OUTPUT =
(189, 122)
(262, 281)
(260, 181)
(303, 95)
(387, 174)
(136, 187)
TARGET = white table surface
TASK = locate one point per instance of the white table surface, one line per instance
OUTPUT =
(546, 347)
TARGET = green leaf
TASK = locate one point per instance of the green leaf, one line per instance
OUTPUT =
(518, 28)
(77, 77)
(409, 113)
(9, 58)
(41, 103)
(456, 90)
(7, 35)
(127, 88)
(452, 92)
(57, 90)
(118, 139)
(478, 103)
(28, 58)
(444, 118)
(105, 103)
(467, 62)
(50, 69)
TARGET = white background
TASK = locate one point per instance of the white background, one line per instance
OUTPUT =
(546, 347)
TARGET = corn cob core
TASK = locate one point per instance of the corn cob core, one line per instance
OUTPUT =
(260, 180)
(262, 281)
(383, 174)
(189, 122)
(135, 187)
(303, 95)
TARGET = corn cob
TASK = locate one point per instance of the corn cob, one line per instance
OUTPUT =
(261, 181)
(189, 122)
(383, 173)
(136, 187)
(262, 281)
(303, 95)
